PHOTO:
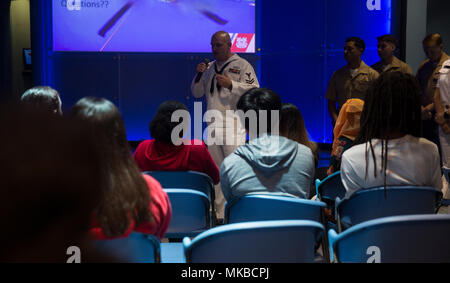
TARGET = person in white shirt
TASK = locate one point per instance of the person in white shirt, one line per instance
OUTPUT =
(223, 81)
(442, 102)
(389, 150)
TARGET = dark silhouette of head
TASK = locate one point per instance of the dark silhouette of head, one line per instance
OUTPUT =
(161, 126)
(49, 185)
(258, 99)
(42, 98)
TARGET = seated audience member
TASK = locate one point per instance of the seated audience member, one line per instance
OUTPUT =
(160, 154)
(345, 131)
(49, 187)
(292, 126)
(268, 163)
(129, 201)
(42, 98)
(389, 150)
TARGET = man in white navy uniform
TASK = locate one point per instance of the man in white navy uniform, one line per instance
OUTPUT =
(442, 105)
(223, 82)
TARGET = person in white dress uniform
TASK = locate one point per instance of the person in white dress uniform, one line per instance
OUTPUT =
(442, 104)
(223, 81)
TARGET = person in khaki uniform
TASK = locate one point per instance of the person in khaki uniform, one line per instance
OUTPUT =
(389, 63)
(351, 81)
(428, 75)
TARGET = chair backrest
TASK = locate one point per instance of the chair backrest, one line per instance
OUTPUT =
(266, 207)
(261, 241)
(190, 213)
(330, 188)
(445, 172)
(410, 238)
(185, 180)
(136, 248)
(368, 204)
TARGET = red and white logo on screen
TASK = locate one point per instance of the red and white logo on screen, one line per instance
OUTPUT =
(242, 42)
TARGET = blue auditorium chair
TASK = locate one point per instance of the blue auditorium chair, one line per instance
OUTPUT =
(255, 242)
(185, 180)
(330, 188)
(190, 213)
(406, 238)
(446, 172)
(264, 207)
(192, 197)
(368, 204)
(136, 248)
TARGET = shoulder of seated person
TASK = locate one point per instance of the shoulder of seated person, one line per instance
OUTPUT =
(197, 144)
(150, 180)
(303, 147)
(354, 150)
(231, 159)
(425, 141)
(144, 143)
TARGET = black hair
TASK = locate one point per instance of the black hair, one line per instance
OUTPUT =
(42, 98)
(358, 42)
(388, 38)
(259, 99)
(392, 106)
(161, 126)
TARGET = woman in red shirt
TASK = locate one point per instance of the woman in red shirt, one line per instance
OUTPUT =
(129, 201)
(160, 154)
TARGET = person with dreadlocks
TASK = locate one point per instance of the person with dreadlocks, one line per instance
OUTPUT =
(388, 150)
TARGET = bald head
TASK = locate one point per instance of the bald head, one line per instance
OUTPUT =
(221, 46)
(222, 35)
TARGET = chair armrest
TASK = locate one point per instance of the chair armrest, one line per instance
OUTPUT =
(332, 238)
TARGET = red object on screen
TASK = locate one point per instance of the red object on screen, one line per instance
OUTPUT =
(242, 42)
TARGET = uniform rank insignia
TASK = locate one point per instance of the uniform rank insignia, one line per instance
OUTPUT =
(250, 80)
(234, 71)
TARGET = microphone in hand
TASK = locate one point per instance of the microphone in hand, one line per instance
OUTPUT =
(201, 68)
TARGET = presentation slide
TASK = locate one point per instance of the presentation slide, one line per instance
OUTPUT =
(151, 25)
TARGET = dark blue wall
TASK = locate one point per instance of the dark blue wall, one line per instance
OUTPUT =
(301, 45)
